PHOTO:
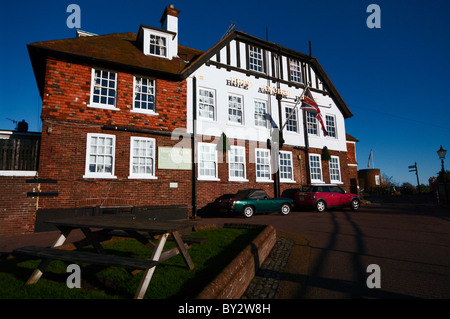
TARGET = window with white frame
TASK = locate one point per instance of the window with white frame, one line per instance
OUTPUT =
(330, 122)
(291, 124)
(286, 167)
(207, 161)
(100, 153)
(158, 45)
(235, 108)
(263, 170)
(236, 163)
(377, 179)
(335, 170)
(315, 168)
(142, 157)
(295, 68)
(260, 113)
(103, 89)
(206, 103)
(144, 95)
(311, 123)
(255, 56)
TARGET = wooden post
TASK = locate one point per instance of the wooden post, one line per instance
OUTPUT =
(183, 250)
(37, 273)
(149, 272)
(417, 175)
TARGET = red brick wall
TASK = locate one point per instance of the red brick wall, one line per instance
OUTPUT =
(63, 157)
(366, 177)
(67, 96)
(232, 282)
(352, 170)
(351, 153)
(67, 119)
(17, 210)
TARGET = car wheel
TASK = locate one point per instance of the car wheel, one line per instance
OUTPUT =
(321, 206)
(354, 204)
(248, 211)
(285, 209)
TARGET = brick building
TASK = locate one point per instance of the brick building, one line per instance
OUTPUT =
(137, 122)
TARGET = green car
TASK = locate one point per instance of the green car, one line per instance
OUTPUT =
(250, 201)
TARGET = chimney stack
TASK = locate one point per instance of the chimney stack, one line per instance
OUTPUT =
(169, 22)
(169, 19)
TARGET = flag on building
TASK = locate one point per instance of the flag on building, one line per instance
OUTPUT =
(370, 159)
(308, 104)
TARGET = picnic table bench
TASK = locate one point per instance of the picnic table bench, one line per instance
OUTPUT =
(86, 257)
(97, 229)
(186, 240)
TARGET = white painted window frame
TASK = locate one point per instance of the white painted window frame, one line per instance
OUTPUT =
(93, 86)
(157, 45)
(267, 158)
(257, 116)
(88, 173)
(319, 161)
(292, 123)
(256, 54)
(214, 105)
(236, 107)
(290, 166)
(137, 85)
(312, 124)
(295, 70)
(334, 126)
(151, 157)
(338, 169)
(231, 160)
(212, 148)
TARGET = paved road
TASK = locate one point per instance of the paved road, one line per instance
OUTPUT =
(410, 242)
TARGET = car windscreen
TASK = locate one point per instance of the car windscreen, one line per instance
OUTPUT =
(307, 189)
(242, 194)
(315, 189)
(258, 194)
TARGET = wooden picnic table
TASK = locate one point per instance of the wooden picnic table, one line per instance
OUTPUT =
(97, 229)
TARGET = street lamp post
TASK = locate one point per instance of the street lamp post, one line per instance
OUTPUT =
(441, 153)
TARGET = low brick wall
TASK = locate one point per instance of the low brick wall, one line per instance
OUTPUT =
(232, 282)
(17, 210)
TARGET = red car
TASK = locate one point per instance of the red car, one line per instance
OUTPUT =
(323, 196)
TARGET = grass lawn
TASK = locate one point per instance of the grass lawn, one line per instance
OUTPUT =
(172, 279)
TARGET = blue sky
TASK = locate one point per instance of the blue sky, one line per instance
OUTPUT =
(394, 79)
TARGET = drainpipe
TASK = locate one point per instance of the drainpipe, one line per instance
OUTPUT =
(305, 133)
(280, 121)
(194, 148)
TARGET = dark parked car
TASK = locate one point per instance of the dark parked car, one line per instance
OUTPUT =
(250, 201)
(321, 197)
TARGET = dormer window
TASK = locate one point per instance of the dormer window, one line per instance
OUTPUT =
(161, 42)
(158, 45)
(158, 42)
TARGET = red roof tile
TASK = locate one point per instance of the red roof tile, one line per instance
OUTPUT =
(119, 48)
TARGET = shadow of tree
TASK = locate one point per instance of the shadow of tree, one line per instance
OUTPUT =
(354, 289)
